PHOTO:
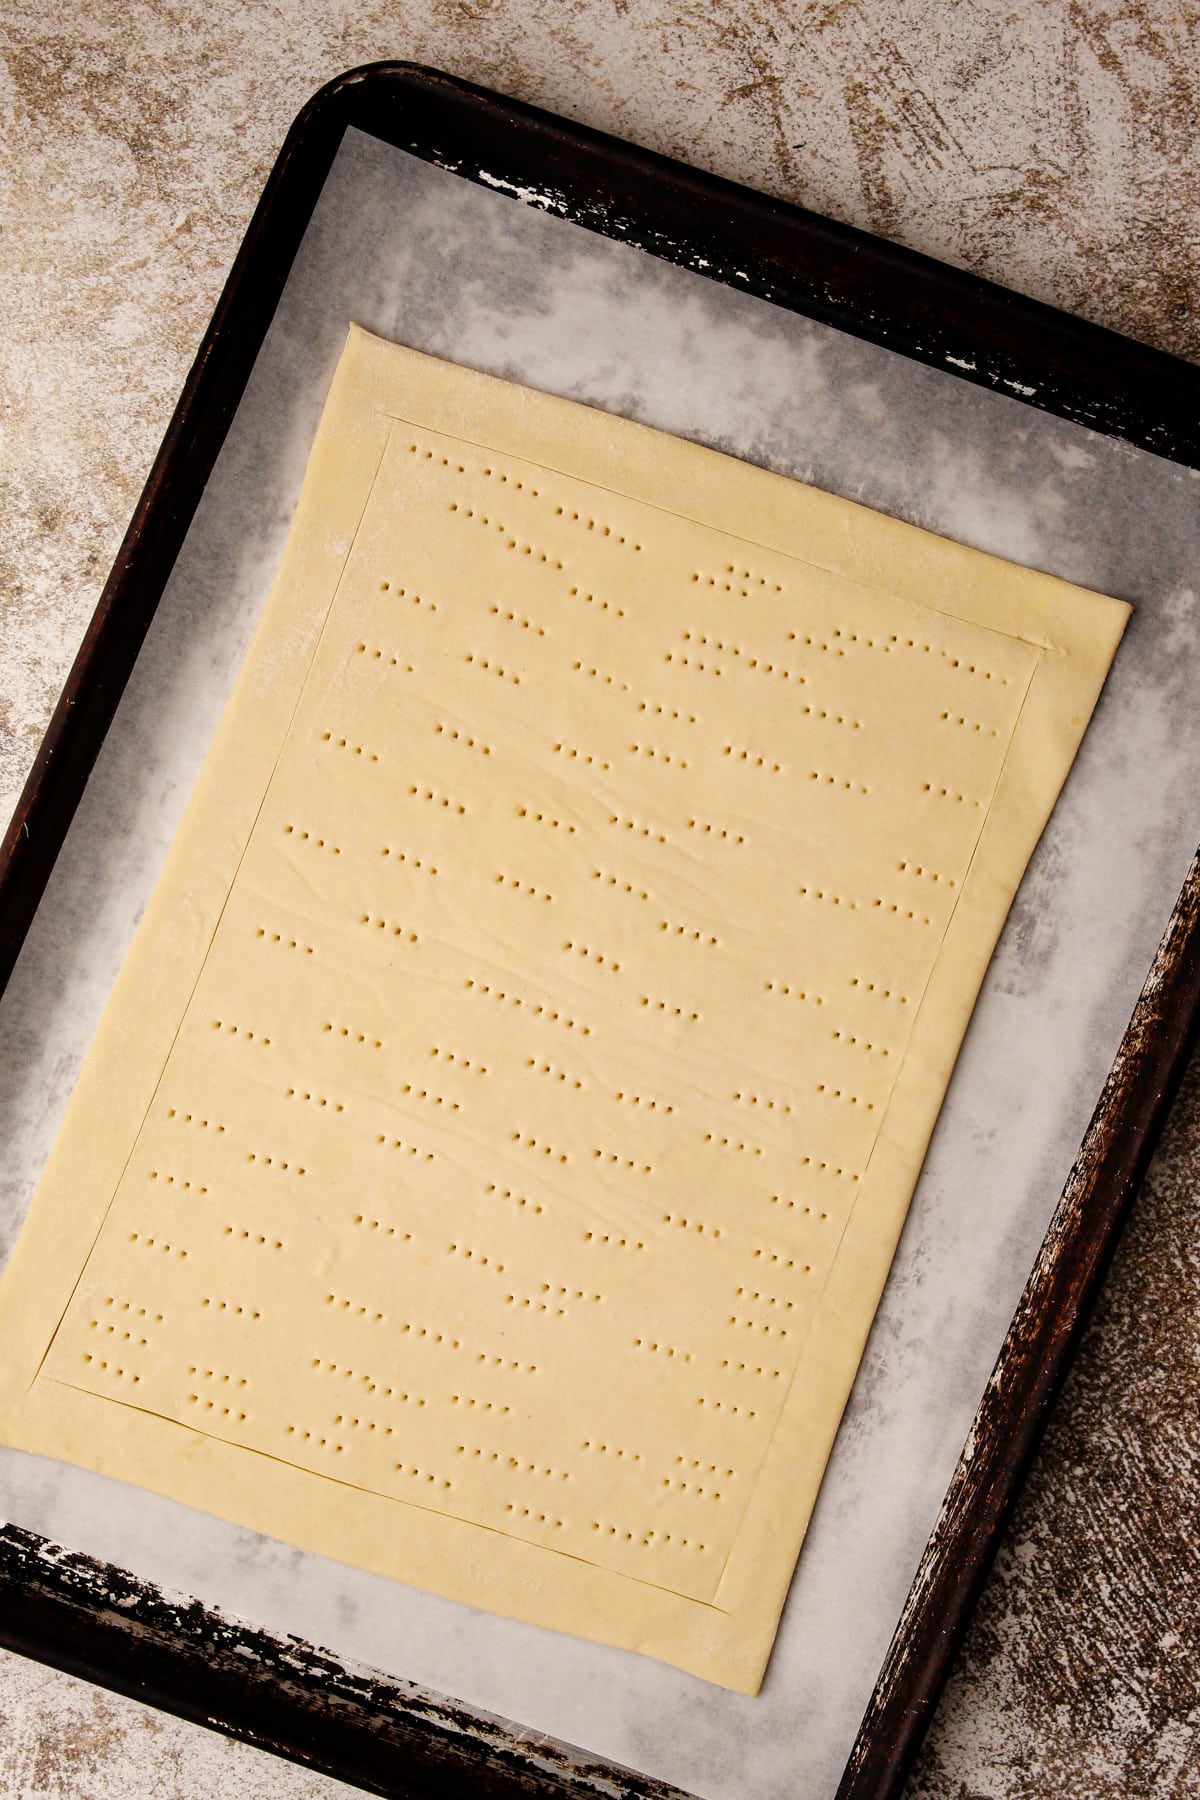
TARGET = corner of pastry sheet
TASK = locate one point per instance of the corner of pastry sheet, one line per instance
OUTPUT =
(757, 504)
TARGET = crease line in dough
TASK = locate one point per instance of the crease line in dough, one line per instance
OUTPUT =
(262, 800)
(671, 512)
(866, 1169)
(150, 1412)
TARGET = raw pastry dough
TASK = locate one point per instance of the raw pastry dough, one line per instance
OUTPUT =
(492, 1153)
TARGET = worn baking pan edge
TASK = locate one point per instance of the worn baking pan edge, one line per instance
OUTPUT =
(281, 1694)
(1034, 1358)
(859, 284)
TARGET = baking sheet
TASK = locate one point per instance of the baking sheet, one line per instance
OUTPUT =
(465, 272)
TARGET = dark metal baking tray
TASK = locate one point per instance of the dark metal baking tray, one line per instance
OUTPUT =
(82, 1613)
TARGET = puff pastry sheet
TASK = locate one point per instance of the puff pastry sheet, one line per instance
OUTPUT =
(493, 1150)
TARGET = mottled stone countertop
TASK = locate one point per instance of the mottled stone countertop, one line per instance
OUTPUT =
(1052, 146)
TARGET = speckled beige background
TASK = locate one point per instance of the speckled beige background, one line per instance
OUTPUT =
(1051, 144)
